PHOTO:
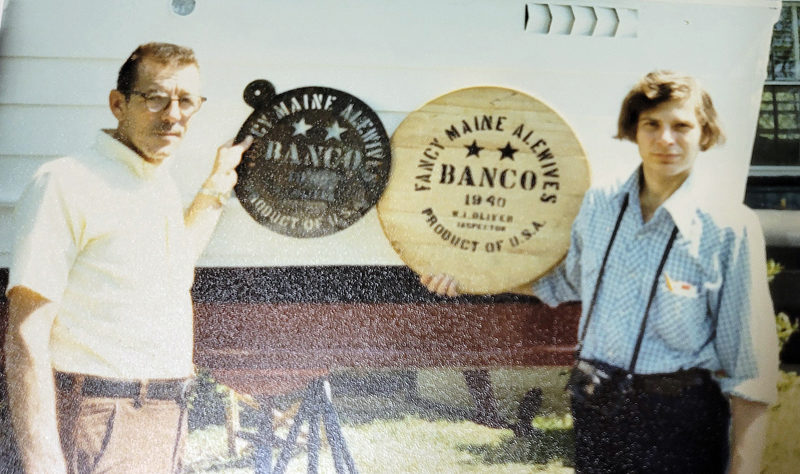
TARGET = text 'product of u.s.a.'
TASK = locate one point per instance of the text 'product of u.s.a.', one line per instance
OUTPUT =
(485, 184)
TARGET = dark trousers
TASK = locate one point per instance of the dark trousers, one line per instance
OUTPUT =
(650, 432)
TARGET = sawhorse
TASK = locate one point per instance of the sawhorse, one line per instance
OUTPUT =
(316, 406)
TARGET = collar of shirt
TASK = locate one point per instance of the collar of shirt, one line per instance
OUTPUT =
(107, 145)
(681, 206)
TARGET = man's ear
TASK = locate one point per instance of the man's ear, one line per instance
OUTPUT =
(118, 104)
(705, 139)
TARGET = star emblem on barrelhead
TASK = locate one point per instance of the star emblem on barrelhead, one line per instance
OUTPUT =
(474, 149)
(335, 131)
(507, 152)
(301, 127)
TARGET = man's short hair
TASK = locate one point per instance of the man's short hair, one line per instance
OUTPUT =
(661, 86)
(163, 53)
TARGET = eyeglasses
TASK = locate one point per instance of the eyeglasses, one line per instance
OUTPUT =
(159, 101)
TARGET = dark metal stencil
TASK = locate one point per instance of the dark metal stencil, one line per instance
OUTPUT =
(320, 159)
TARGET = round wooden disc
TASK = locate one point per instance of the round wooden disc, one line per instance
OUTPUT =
(485, 184)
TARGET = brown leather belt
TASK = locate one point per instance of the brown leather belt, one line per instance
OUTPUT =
(100, 387)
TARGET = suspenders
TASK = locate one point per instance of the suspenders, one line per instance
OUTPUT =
(600, 275)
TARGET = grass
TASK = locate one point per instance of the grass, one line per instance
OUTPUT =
(408, 445)
(389, 433)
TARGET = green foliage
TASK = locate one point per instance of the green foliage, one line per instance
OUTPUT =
(773, 268)
(785, 328)
(783, 323)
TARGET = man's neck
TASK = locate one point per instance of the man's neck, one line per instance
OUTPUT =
(120, 137)
(654, 192)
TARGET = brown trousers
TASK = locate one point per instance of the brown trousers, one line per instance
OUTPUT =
(100, 435)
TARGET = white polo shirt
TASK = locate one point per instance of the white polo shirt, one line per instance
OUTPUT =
(102, 235)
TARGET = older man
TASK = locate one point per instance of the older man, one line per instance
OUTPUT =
(99, 344)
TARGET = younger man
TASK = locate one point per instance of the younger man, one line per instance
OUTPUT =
(677, 330)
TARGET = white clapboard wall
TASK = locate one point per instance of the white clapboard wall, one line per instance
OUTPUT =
(59, 59)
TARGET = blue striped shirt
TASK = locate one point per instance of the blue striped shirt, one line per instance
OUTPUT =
(711, 308)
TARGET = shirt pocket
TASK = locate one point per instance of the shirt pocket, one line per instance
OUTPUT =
(680, 316)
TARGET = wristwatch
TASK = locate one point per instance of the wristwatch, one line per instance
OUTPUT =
(221, 198)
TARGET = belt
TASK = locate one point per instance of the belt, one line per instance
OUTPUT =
(100, 387)
(670, 383)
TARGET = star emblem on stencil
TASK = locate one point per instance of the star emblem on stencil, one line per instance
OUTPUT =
(507, 152)
(301, 127)
(474, 149)
(335, 131)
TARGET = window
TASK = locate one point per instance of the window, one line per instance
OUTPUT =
(778, 131)
(775, 165)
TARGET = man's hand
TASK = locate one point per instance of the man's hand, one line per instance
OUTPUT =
(203, 214)
(31, 390)
(749, 420)
(445, 285)
(441, 284)
(223, 175)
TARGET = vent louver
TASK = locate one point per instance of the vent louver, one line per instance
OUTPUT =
(581, 20)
